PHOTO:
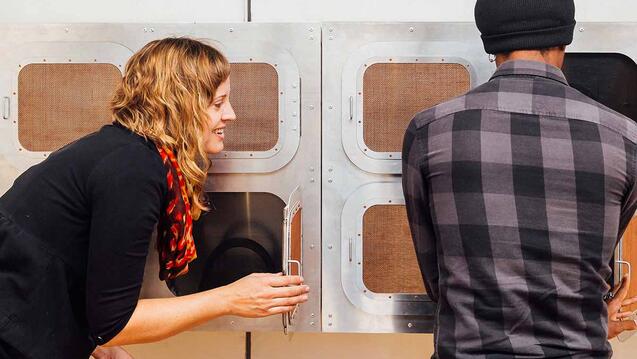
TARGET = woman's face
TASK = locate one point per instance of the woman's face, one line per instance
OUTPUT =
(219, 113)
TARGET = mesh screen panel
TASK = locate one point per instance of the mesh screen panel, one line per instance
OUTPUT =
(393, 93)
(389, 258)
(629, 254)
(295, 241)
(59, 103)
(255, 99)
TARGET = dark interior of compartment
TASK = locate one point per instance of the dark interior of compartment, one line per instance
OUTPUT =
(241, 234)
(609, 78)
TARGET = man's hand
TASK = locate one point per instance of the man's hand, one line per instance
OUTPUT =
(616, 322)
(110, 353)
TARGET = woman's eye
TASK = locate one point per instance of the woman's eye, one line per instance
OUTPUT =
(218, 105)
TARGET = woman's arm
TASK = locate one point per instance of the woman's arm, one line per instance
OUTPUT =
(254, 296)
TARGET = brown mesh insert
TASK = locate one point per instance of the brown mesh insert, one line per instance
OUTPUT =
(59, 103)
(295, 241)
(255, 98)
(393, 93)
(629, 254)
(389, 258)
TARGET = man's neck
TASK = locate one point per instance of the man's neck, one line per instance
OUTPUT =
(553, 57)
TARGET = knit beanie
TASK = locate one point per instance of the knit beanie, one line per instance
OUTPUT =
(508, 25)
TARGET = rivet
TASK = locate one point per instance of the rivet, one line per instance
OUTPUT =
(311, 246)
(330, 246)
(311, 107)
(66, 29)
(410, 325)
(312, 315)
(312, 323)
(329, 315)
(330, 169)
(331, 37)
(411, 29)
(311, 37)
(330, 324)
(330, 180)
(293, 86)
(581, 29)
(312, 180)
(145, 30)
(331, 107)
(311, 29)
(231, 29)
(311, 169)
(232, 322)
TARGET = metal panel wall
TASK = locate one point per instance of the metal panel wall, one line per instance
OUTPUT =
(266, 153)
(376, 77)
(360, 176)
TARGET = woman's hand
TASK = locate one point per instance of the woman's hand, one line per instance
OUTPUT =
(110, 353)
(263, 294)
(616, 324)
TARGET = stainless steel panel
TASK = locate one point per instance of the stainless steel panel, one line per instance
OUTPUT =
(293, 49)
(349, 171)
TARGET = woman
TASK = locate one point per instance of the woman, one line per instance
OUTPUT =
(75, 229)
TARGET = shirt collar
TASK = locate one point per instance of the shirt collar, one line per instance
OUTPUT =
(530, 68)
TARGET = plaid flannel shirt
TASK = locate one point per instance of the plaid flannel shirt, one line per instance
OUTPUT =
(516, 194)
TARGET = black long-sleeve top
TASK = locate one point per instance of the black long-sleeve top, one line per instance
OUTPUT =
(74, 235)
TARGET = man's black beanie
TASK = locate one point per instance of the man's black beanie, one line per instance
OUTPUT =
(508, 25)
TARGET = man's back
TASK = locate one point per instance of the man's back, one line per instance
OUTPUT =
(517, 193)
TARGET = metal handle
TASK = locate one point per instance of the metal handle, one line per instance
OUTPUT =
(6, 108)
(288, 317)
(292, 261)
(630, 269)
(351, 248)
(351, 108)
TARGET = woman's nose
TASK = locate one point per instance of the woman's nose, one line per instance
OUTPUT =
(228, 113)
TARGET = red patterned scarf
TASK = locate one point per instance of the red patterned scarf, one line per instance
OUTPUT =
(175, 243)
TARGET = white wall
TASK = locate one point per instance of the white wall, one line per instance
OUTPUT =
(61, 11)
(56, 11)
(415, 10)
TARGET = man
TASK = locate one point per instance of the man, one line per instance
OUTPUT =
(517, 193)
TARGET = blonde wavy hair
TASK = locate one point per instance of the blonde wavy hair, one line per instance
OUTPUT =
(163, 96)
